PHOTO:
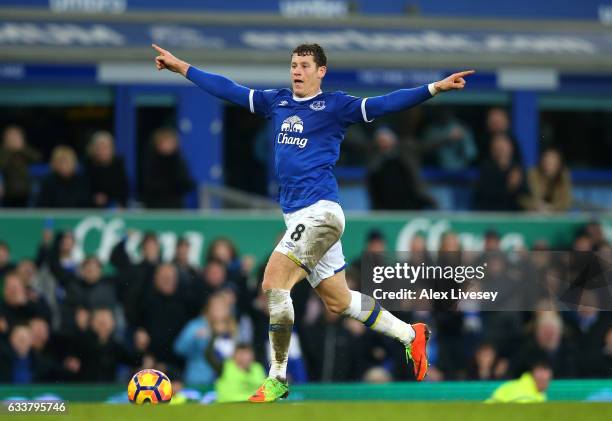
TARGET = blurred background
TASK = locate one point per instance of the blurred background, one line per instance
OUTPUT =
(137, 211)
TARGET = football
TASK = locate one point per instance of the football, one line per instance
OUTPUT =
(149, 386)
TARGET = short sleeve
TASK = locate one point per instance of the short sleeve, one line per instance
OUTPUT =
(260, 102)
(352, 108)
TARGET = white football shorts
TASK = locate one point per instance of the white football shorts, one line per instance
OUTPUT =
(312, 240)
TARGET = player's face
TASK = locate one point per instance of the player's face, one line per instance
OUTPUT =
(306, 76)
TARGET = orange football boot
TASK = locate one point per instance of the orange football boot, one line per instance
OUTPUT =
(417, 351)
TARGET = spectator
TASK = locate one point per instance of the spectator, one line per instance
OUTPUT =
(603, 357)
(106, 172)
(529, 388)
(15, 159)
(377, 375)
(394, 181)
(237, 269)
(211, 335)
(498, 122)
(26, 270)
(549, 185)
(101, 354)
(595, 232)
(333, 351)
(17, 366)
(486, 365)
(16, 308)
(188, 273)
(448, 320)
(87, 290)
(374, 252)
(40, 333)
(166, 178)
(46, 349)
(492, 241)
(56, 250)
(64, 187)
(417, 251)
(5, 259)
(501, 183)
(451, 142)
(134, 277)
(582, 243)
(159, 328)
(588, 326)
(503, 328)
(240, 375)
(547, 344)
(224, 250)
(213, 279)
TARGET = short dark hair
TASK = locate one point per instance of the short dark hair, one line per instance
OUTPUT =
(149, 236)
(314, 50)
(375, 235)
(91, 258)
(243, 346)
(542, 361)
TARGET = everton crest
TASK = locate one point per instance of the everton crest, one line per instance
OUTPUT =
(317, 105)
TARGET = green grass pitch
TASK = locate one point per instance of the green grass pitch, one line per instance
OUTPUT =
(339, 411)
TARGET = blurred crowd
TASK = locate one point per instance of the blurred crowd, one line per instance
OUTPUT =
(502, 184)
(99, 180)
(67, 320)
(393, 178)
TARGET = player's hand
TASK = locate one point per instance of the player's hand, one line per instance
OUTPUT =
(454, 81)
(165, 60)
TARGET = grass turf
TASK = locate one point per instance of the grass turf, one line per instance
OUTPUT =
(339, 411)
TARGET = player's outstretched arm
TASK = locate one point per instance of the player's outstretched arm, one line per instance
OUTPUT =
(406, 98)
(214, 84)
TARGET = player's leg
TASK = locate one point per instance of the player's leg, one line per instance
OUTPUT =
(310, 234)
(280, 276)
(340, 300)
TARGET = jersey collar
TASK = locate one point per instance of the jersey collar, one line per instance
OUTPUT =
(295, 98)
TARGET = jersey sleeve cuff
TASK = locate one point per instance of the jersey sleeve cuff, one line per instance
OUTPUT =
(432, 89)
(363, 111)
(251, 106)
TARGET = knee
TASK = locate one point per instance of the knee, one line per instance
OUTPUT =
(268, 283)
(272, 282)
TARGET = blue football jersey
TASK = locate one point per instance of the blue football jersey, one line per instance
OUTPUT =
(307, 137)
(308, 131)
